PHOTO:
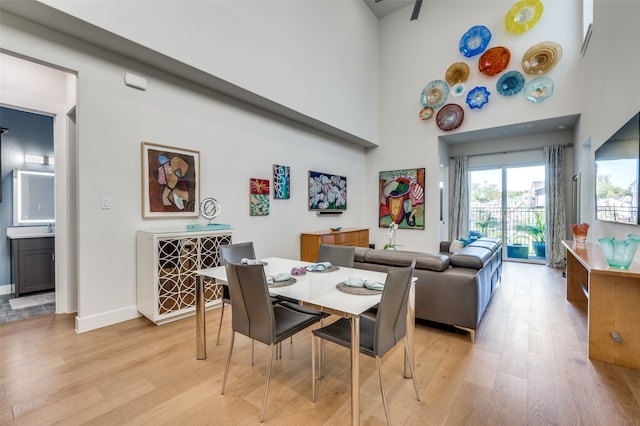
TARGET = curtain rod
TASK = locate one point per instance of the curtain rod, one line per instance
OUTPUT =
(512, 151)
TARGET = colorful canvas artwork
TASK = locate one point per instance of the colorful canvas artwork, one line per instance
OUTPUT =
(327, 192)
(170, 181)
(259, 197)
(281, 182)
(402, 198)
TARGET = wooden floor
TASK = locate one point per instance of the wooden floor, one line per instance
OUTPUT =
(529, 366)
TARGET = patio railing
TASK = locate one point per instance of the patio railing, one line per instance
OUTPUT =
(488, 221)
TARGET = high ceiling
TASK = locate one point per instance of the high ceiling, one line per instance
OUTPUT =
(383, 8)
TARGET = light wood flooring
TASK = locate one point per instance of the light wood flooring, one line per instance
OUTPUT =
(529, 366)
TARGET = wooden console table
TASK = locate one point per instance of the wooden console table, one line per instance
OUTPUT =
(310, 241)
(613, 299)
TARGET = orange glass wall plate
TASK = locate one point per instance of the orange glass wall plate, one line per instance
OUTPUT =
(494, 61)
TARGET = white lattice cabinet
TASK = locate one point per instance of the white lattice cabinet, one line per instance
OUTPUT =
(166, 265)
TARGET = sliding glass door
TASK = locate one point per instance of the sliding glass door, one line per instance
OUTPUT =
(509, 203)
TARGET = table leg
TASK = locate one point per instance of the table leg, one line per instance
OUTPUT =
(411, 326)
(201, 334)
(355, 370)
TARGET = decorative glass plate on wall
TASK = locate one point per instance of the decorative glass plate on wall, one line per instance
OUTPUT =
(510, 83)
(523, 16)
(434, 94)
(477, 97)
(458, 89)
(457, 73)
(475, 41)
(450, 117)
(494, 61)
(426, 113)
(541, 58)
(538, 89)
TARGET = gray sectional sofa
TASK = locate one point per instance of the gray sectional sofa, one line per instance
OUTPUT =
(451, 288)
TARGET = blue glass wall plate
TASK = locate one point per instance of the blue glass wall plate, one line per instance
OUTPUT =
(475, 41)
(510, 83)
(538, 89)
(477, 97)
(434, 94)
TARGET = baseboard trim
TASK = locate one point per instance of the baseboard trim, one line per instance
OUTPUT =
(6, 289)
(107, 318)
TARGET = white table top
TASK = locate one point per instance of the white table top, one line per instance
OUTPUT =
(315, 288)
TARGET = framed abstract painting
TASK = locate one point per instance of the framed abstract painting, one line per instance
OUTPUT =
(281, 182)
(259, 197)
(402, 198)
(170, 181)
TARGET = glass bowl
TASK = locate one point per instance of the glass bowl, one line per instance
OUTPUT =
(619, 253)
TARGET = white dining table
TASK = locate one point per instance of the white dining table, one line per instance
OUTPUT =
(318, 290)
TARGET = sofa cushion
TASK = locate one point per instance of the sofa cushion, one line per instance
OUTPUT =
(471, 257)
(359, 254)
(433, 262)
(487, 243)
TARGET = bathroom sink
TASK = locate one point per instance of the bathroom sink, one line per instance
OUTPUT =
(29, 232)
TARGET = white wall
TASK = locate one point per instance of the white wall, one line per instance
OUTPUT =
(415, 53)
(236, 143)
(610, 97)
(317, 57)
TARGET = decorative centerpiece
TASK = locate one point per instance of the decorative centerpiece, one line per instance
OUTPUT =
(391, 245)
(619, 253)
(579, 232)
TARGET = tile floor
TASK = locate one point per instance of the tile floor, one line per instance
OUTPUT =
(42, 306)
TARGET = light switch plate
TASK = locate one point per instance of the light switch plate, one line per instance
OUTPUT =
(106, 202)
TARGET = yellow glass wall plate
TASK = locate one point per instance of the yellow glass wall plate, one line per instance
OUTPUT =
(523, 16)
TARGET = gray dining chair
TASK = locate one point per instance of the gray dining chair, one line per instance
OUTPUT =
(254, 316)
(233, 253)
(377, 335)
(337, 255)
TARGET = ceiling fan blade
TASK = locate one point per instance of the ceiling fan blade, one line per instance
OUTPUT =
(416, 10)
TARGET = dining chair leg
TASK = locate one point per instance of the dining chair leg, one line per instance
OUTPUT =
(313, 368)
(253, 344)
(321, 359)
(384, 398)
(413, 375)
(226, 369)
(321, 354)
(266, 385)
(220, 324)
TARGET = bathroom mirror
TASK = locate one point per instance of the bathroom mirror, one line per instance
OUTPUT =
(33, 198)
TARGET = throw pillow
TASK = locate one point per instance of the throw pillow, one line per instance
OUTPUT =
(465, 241)
(456, 245)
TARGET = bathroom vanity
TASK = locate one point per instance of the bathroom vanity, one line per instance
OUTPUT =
(32, 259)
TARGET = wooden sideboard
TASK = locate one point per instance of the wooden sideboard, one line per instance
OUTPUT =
(310, 241)
(613, 299)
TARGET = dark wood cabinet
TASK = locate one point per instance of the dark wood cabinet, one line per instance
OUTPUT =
(33, 265)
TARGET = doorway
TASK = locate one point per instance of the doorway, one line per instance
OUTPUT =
(46, 89)
(508, 203)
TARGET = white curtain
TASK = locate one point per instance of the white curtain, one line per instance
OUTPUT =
(556, 223)
(459, 214)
